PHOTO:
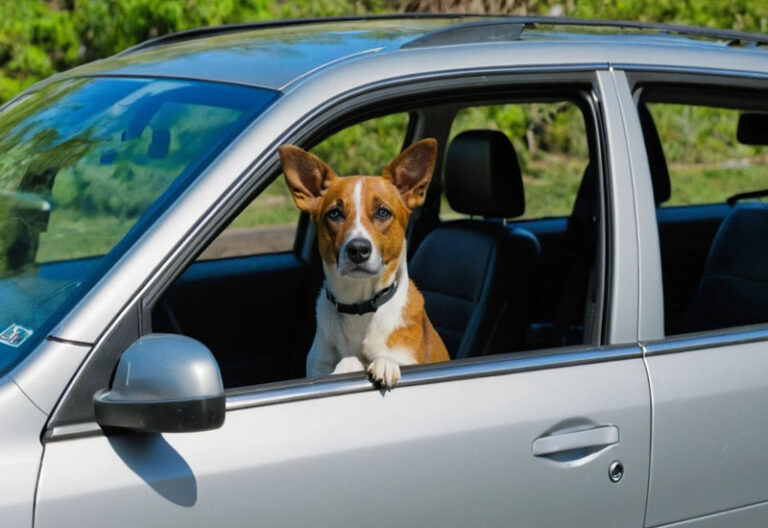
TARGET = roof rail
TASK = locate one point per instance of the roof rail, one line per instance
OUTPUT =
(191, 34)
(483, 31)
(492, 30)
(462, 32)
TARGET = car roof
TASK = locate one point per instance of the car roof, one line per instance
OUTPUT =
(275, 55)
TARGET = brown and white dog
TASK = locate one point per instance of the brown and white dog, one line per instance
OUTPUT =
(370, 316)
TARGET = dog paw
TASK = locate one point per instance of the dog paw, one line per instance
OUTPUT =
(384, 372)
(348, 364)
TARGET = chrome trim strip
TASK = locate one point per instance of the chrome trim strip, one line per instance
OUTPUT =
(243, 398)
(700, 342)
(657, 68)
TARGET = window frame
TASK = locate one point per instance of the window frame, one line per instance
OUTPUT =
(653, 337)
(71, 417)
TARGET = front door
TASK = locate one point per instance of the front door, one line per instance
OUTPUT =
(512, 442)
(558, 437)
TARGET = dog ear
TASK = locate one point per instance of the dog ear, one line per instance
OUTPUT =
(411, 171)
(307, 176)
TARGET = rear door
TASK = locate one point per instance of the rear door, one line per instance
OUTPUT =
(558, 437)
(709, 378)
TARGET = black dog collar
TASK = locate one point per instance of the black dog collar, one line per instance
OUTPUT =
(371, 305)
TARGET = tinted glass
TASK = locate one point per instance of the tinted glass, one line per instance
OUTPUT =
(81, 164)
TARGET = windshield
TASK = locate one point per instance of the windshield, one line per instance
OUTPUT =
(81, 164)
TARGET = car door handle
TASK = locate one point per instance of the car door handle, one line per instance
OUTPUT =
(560, 443)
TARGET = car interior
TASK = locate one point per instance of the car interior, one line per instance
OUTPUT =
(495, 278)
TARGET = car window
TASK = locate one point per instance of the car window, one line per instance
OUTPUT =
(81, 164)
(709, 170)
(545, 285)
(707, 164)
(550, 141)
(268, 224)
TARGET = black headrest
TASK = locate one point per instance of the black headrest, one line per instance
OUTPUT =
(482, 175)
(657, 163)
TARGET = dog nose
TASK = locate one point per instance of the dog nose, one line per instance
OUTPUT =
(358, 250)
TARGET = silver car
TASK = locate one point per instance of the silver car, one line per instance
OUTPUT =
(593, 251)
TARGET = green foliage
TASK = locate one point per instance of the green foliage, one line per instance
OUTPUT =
(743, 15)
(364, 148)
(41, 37)
(108, 26)
(35, 42)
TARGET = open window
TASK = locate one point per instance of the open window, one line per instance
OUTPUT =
(507, 250)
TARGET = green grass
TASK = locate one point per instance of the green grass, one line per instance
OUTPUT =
(703, 184)
(274, 206)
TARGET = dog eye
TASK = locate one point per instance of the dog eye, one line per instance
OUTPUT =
(382, 213)
(335, 214)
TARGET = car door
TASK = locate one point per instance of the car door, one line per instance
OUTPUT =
(557, 437)
(708, 379)
(521, 441)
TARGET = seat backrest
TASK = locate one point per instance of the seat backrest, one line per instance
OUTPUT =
(468, 270)
(733, 290)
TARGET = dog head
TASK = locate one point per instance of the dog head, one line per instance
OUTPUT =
(361, 220)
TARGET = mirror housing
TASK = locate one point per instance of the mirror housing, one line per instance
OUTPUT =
(753, 129)
(164, 383)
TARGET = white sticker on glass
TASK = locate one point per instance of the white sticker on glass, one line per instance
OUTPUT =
(15, 335)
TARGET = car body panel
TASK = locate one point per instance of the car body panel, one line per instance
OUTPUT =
(708, 390)
(709, 430)
(20, 455)
(622, 314)
(650, 323)
(49, 371)
(752, 516)
(455, 453)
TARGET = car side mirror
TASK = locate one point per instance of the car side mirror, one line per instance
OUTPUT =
(164, 383)
(753, 129)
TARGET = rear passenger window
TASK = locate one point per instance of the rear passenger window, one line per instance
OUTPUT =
(708, 159)
(551, 146)
(268, 224)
